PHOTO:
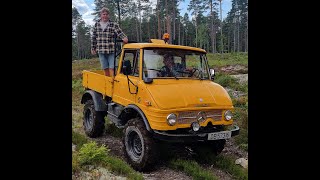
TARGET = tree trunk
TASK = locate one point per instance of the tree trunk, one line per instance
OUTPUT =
(140, 38)
(179, 42)
(148, 23)
(238, 36)
(164, 26)
(234, 36)
(215, 38)
(168, 22)
(158, 15)
(221, 27)
(246, 33)
(174, 19)
(78, 44)
(212, 18)
(137, 29)
(196, 35)
(228, 46)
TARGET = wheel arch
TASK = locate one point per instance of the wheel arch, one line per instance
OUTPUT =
(132, 111)
(99, 103)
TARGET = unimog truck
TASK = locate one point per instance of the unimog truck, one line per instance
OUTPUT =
(187, 107)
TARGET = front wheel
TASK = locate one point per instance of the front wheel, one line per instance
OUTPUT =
(93, 121)
(140, 147)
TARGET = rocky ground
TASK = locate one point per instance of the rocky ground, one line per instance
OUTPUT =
(162, 171)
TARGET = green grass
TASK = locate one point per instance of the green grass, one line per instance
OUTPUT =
(113, 129)
(226, 59)
(230, 82)
(92, 154)
(77, 85)
(193, 169)
(241, 102)
(241, 118)
(78, 139)
(227, 163)
(80, 65)
(120, 167)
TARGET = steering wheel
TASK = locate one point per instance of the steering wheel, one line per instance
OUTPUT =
(183, 72)
(164, 71)
(193, 71)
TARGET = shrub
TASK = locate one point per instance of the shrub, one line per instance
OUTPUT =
(90, 153)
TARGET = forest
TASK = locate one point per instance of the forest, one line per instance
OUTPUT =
(142, 20)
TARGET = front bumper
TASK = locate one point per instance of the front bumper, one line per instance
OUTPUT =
(188, 137)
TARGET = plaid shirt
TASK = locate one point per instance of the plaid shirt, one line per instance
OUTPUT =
(103, 40)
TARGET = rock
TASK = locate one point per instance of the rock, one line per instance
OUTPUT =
(234, 69)
(73, 147)
(243, 162)
(99, 173)
(235, 94)
(241, 78)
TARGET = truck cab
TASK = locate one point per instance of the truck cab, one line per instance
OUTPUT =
(159, 92)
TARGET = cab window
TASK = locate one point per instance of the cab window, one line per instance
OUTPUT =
(131, 59)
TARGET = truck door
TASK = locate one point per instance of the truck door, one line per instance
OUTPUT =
(124, 91)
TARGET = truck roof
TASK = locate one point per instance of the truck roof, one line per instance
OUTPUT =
(161, 45)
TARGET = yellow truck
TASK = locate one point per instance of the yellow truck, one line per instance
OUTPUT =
(154, 101)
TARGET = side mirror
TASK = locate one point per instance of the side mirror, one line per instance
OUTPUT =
(126, 68)
(212, 74)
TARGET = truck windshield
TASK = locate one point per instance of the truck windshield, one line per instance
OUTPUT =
(174, 63)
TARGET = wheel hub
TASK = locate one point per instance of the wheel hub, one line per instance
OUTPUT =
(88, 119)
(135, 145)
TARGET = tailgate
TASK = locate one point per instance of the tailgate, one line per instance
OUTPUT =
(97, 81)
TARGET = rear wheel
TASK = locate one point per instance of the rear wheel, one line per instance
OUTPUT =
(140, 147)
(93, 121)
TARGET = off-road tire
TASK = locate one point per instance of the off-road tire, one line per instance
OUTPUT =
(93, 121)
(140, 148)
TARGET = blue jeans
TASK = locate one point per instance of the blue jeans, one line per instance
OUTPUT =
(106, 60)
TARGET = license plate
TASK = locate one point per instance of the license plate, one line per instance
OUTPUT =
(219, 135)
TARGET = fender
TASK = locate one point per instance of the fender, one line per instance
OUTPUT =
(99, 104)
(140, 112)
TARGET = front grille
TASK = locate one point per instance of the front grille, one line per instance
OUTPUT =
(192, 116)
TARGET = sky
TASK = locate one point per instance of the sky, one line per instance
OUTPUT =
(85, 8)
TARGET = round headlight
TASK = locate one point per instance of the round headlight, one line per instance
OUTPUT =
(228, 115)
(171, 119)
(195, 126)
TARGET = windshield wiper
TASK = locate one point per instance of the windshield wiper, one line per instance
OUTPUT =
(201, 75)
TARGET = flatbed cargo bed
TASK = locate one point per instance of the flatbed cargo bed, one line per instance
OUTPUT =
(96, 80)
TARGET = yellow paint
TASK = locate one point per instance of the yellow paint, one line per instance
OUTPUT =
(145, 45)
(162, 96)
(157, 41)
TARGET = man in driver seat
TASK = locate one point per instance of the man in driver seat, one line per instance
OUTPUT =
(170, 69)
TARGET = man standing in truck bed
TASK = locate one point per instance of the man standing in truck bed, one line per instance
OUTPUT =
(102, 41)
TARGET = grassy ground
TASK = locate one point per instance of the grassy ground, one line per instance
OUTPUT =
(190, 167)
(90, 153)
(226, 59)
